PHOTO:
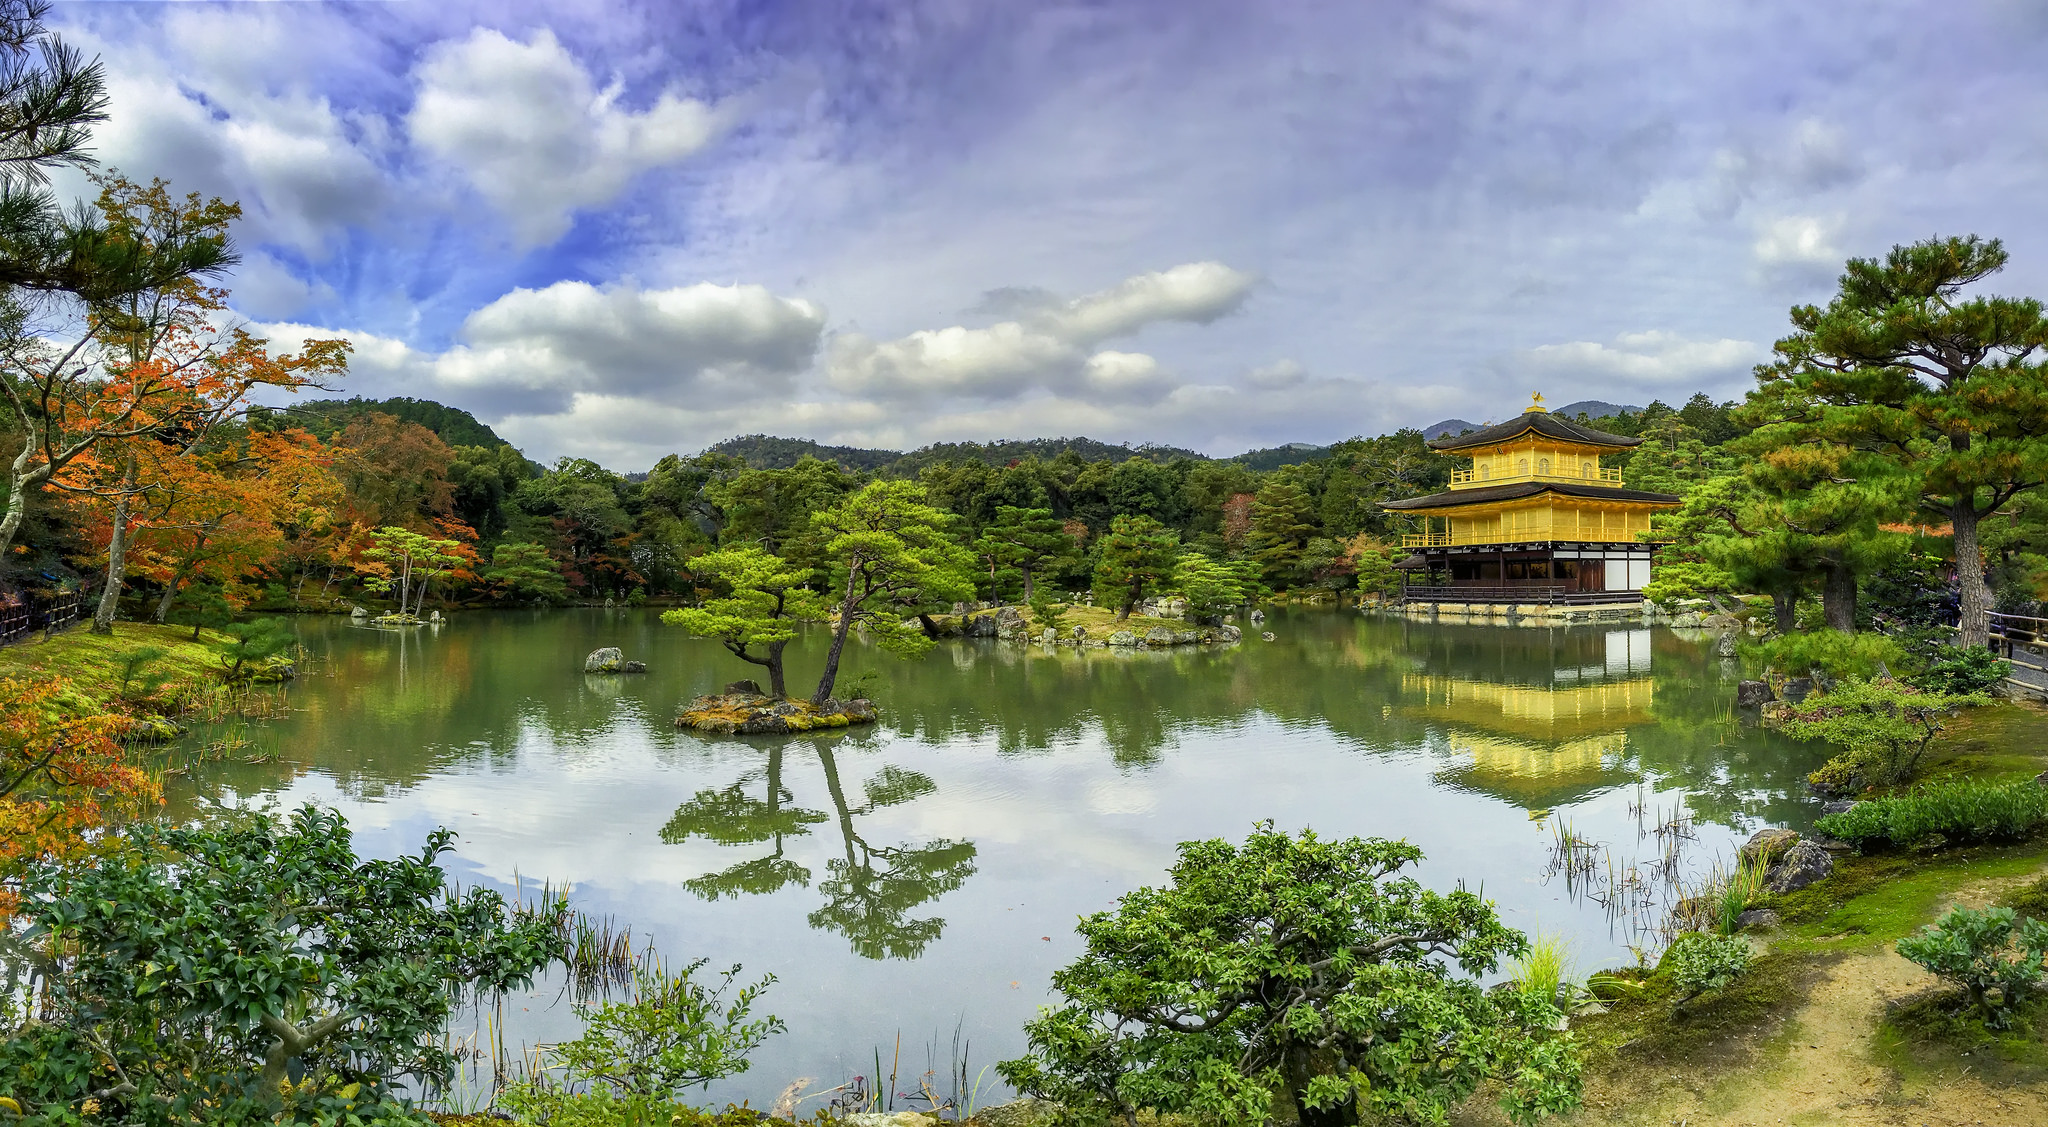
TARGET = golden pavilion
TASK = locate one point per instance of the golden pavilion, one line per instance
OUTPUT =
(1535, 520)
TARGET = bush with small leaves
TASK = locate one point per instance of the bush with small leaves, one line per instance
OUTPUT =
(1701, 962)
(1962, 669)
(1301, 969)
(249, 972)
(1993, 954)
(1883, 729)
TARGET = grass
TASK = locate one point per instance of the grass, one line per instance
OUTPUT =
(1882, 898)
(1546, 968)
(92, 662)
(1961, 810)
(1939, 1032)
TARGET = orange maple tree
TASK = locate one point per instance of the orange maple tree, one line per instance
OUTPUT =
(60, 778)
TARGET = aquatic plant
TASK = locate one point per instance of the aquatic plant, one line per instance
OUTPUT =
(1544, 972)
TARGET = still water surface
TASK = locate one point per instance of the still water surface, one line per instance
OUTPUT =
(924, 875)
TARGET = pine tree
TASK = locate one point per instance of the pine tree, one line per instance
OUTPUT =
(1947, 387)
(757, 617)
(1026, 540)
(1283, 523)
(1137, 559)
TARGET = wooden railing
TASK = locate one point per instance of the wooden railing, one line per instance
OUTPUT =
(19, 620)
(1520, 536)
(1471, 477)
(1547, 594)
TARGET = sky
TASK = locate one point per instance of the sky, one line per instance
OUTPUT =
(618, 230)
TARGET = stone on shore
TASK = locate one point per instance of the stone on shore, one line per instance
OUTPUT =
(1123, 638)
(1753, 694)
(752, 714)
(1801, 865)
(1767, 846)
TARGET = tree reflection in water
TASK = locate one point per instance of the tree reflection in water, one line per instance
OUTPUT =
(733, 817)
(869, 893)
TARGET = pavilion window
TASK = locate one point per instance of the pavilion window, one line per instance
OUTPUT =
(1543, 466)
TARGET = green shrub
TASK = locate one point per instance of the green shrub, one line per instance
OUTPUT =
(1833, 652)
(1958, 812)
(1992, 954)
(250, 644)
(1701, 962)
(673, 1033)
(188, 974)
(1962, 669)
(1883, 728)
(1173, 1005)
(1045, 611)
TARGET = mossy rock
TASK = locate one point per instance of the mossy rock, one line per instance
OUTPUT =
(150, 730)
(752, 714)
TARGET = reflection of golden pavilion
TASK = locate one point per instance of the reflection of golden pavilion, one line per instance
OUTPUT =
(1540, 745)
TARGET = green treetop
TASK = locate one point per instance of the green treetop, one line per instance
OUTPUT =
(1213, 589)
(1947, 386)
(757, 617)
(890, 552)
(1283, 523)
(1302, 968)
(407, 558)
(526, 571)
(1026, 541)
(1137, 558)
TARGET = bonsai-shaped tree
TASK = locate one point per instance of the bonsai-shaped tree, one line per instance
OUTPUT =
(1138, 557)
(891, 552)
(757, 616)
(1294, 965)
(402, 558)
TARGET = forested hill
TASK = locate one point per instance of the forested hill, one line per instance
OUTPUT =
(453, 425)
(765, 452)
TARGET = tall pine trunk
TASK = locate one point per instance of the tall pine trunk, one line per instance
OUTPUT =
(831, 674)
(1838, 597)
(776, 685)
(1785, 607)
(1975, 624)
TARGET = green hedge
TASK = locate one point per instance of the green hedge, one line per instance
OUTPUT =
(1958, 812)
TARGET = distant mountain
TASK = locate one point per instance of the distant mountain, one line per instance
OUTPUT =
(1448, 426)
(1591, 408)
(1273, 457)
(1595, 409)
(455, 426)
(766, 452)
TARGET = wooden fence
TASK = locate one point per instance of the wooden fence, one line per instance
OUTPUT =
(19, 620)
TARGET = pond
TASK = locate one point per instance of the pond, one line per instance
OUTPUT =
(922, 877)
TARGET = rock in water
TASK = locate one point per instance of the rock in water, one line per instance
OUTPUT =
(358, 612)
(979, 626)
(1228, 633)
(749, 688)
(604, 660)
(1801, 865)
(1752, 694)
(1268, 635)
(1768, 845)
(1123, 638)
(1050, 636)
(633, 667)
(1725, 645)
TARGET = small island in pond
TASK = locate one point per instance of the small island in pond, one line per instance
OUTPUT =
(744, 710)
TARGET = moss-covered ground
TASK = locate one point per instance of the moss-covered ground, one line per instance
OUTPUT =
(91, 663)
(1831, 1025)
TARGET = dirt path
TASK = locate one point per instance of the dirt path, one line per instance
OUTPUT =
(1822, 1068)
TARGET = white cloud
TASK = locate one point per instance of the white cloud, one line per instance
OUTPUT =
(536, 137)
(537, 351)
(1198, 292)
(1646, 360)
(1046, 349)
(1800, 242)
